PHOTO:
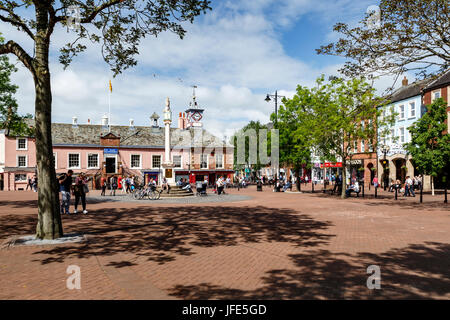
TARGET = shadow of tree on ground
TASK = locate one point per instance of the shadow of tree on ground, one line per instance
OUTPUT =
(163, 233)
(414, 272)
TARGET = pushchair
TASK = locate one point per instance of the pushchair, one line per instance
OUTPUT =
(200, 188)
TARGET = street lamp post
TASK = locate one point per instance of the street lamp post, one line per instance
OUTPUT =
(385, 148)
(275, 96)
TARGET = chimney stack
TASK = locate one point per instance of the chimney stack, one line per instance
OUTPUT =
(405, 81)
(181, 124)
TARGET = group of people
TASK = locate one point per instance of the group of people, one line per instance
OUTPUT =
(126, 184)
(79, 188)
(184, 184)
(410, 185)
(32, 183)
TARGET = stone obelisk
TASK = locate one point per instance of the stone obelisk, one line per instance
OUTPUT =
(168, 163)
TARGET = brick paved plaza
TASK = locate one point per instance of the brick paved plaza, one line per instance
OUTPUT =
(274, 246)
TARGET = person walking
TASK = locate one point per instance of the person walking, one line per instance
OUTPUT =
(375, 182)
(128, 184)
(79, 190)
(65, 182)
(409, 187)
(29, 184)
(35, 183)
(220, 185)
(103, 185)
(113, 183)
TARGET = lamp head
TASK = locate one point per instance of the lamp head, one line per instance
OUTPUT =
(267, 98)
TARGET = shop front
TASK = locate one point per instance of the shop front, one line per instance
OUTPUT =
(200, 175)
(148, 175)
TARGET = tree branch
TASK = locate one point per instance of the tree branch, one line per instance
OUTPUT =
(15, 21)
(19, 52)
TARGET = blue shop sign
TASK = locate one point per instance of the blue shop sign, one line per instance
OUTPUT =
(110, 151)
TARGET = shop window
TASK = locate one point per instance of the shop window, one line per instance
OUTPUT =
(20, 177)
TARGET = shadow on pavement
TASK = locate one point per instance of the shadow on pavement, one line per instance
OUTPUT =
(163, 233)
(413, 272)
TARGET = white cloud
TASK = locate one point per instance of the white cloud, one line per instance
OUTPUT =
(233, 54)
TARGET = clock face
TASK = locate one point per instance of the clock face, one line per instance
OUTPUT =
(197, 116)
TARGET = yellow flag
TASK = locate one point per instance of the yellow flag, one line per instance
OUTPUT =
(110, 86)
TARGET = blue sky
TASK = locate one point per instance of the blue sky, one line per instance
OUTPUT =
(235, 54)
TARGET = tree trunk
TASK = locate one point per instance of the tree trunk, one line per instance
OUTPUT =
(49, 224)
(344, 178)
(297, 179)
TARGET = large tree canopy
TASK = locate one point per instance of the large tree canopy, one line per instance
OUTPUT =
(413, 35)
(118, 25)
(295, 131)
(430, 145)
(345, 113)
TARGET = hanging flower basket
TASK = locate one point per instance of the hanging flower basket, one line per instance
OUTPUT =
(404, 167)
(373, 169)
(361, 169)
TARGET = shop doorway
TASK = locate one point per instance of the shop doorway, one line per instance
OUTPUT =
(400, 169)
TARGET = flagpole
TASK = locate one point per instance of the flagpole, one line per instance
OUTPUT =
(109, 107)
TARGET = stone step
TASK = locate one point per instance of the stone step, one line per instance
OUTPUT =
(176, 195)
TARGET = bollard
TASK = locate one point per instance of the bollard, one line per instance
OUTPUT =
(396, 192)
(376, 188)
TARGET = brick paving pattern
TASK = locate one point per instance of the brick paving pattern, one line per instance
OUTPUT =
(271, 246)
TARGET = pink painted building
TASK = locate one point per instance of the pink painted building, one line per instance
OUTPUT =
(118, 150)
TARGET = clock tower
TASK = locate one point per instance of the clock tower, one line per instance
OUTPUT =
(194, 114)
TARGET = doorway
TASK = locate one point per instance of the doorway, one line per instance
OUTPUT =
(110, 164)
(400, 171)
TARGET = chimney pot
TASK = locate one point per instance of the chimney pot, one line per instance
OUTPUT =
(405, 81)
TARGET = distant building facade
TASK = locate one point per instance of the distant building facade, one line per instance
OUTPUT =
(103, 150)
(406, 102)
